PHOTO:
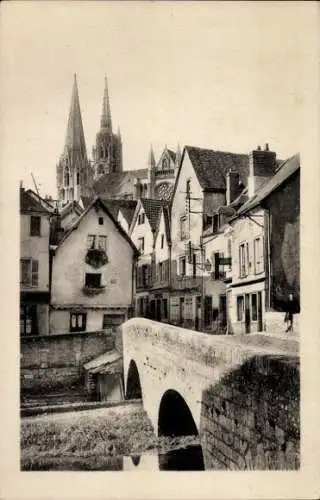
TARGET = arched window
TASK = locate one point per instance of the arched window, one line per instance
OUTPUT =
(71, 194)
(78, 178)
(62, 194)
(101, 152)
(141, 190)
(66, 177)
(145, 190)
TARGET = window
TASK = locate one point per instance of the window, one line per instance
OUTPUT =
(141, 218)
(66, 177)
(112, 320)
(102, 243)
(258, 255)
(93, 280)
(91, 241)
(100, 220)
(28, 320)
(240, 307)
(35, 225)
(164, 163)
(145, 270)
(183, 227)
(78, 322)
(162, 240)
(97, 241)
(182, 263)
(29, 272)
(243, 260)
(78, 178)
(161, 271)
(254, 307)
(141, 245)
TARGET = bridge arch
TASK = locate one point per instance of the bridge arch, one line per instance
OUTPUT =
(175, 417)
(133, 385)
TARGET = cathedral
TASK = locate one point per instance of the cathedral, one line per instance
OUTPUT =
(80, 178)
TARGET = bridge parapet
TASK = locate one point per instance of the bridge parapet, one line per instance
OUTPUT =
(210, 350)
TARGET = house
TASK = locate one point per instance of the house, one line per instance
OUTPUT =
(279, 201)
(35, 214)
(161, 269)
(142, 231)
(250, 248)
(200, 190)
(92, 274)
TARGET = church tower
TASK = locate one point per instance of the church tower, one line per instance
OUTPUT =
(107, 153)
(74, 176)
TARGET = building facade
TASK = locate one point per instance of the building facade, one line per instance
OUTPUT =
(92, 288)
(35, 216)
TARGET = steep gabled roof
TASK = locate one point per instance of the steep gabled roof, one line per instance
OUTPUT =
(86, 201)
(31, 202)
(152, 210)
(286, 169)
(211, 166)
(97, 201)
(127, 207)
(111, 185)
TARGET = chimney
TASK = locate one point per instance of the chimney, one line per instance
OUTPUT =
(262, 166)
(232, 184)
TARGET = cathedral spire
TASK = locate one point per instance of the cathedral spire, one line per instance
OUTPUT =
(106, 113)
(75, 140)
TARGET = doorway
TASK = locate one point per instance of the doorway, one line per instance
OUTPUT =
(247, 312)
(181, 310)
(260, 312)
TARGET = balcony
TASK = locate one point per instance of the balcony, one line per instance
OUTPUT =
(165, 173)
(187, 283)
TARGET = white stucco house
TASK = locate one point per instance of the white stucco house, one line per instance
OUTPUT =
(92, 274)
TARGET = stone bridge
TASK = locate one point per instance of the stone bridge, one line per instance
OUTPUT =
(240, 394)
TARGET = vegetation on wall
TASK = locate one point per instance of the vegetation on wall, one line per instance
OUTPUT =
(96, 257)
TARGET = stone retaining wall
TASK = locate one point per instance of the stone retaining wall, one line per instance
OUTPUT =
(251, 418)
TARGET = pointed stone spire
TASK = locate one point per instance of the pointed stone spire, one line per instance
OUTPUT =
(151, 160)
(106, 113)
(75, 140)
(119, 133)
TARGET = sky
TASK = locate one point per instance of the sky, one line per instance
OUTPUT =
(227, 76)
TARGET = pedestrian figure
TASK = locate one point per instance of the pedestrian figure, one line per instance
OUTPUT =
(288, 318)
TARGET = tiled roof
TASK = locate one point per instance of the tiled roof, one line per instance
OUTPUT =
(127, 207)
(288, 167)
(29, 202)
(211, 166)
(117, 183)
(152, 210)
(73, 205)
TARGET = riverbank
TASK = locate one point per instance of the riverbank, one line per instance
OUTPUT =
(91, 439)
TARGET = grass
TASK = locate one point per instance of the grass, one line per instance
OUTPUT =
(90, 440)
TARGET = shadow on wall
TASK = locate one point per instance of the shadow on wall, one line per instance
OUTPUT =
(251, 418)
(133, 382)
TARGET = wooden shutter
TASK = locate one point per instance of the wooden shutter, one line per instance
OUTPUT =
(34, 272)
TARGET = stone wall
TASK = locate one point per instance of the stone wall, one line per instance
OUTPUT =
(251, 418)
(49, 363)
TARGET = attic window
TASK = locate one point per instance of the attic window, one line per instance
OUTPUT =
(100, 221)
